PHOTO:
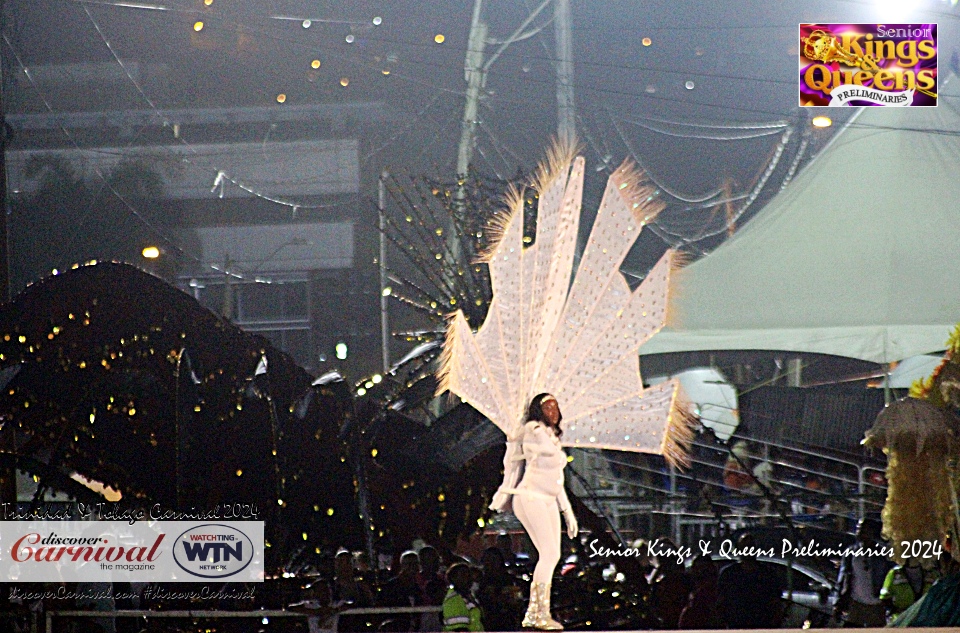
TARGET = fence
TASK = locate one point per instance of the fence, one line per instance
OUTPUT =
(816, 488)
(213, 614)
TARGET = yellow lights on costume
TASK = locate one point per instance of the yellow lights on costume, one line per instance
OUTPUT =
(821, 121)
(198, 26)
(150, 252)
(439, 38)
(344, 81)
(315, 64)
(646, 41)
(281, 98)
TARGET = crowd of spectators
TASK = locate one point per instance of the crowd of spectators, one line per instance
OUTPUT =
(450, 592)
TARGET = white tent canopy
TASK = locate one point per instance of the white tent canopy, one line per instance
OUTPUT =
(859, 256)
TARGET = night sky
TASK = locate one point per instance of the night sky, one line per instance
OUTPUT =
(740, 57)
(702, 94)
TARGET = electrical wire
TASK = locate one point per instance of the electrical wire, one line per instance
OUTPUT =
(96, 169)
(221, 175)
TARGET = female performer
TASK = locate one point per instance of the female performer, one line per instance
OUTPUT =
(539, 499)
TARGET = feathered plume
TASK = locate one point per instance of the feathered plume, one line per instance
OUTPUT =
(576, 340)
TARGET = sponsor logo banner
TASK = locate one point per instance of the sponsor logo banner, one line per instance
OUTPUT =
(868, 65)
(149, 551)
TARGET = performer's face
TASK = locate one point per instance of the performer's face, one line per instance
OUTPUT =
(551, 411)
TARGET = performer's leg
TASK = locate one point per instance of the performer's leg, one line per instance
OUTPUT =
(541, 519)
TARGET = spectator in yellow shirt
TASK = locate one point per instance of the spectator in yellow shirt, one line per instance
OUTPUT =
(460, 610)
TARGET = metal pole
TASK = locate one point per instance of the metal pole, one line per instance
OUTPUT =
(566, 125)
(475, 76)
(861, 490)
(384, 324)
(887, 393)
(795, 372)
(4, 212)
(8, 474)
(674, 517)
(227, 289)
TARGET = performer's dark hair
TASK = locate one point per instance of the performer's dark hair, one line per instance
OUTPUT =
(535, 412)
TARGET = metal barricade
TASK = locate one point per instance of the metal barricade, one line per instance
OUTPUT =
(215, 614)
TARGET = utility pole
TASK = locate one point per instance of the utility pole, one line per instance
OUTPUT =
(476, 72)
(227, 289)
(8, 473)
(476, 76)
(382, 260)
(566, 113)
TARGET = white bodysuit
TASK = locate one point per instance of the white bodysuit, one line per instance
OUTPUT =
(539, 497)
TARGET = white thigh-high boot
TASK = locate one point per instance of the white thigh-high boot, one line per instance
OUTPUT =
(541, 519)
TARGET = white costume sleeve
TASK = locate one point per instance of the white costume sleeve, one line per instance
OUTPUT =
(512, 470)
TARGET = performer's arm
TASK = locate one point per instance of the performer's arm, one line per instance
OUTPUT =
(573, 528)
(563, 501)
(512, 468)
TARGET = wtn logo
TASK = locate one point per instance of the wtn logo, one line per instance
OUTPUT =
(213, 551)
(202, 551)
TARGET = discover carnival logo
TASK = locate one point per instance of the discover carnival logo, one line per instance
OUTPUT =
(213, 551)
(118, 551)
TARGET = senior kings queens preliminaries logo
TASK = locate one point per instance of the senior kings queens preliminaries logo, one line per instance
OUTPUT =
(868, 64)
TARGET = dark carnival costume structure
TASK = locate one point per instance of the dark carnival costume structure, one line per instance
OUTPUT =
(577, 341)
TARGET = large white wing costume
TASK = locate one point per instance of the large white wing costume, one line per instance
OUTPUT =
(579, 340)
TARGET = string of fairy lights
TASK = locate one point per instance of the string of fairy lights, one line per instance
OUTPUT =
(496, 150)
(499, 148)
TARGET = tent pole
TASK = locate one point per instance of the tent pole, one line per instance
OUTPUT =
(887, 392)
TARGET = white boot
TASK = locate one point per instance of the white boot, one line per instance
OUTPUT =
(544, 622)
(533, 607)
